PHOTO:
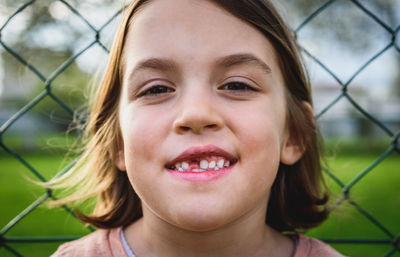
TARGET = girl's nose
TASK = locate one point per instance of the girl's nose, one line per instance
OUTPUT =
(197, 115)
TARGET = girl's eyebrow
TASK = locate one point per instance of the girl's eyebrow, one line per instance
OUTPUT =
(238, 59)
(153, 64)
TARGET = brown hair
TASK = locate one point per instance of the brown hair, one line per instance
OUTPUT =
(297, 200)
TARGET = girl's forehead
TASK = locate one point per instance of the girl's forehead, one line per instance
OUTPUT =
(186, 11)
(190, 18)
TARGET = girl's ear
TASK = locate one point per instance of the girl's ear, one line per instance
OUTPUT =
(291, 151)
(120, 158)
(293, 147)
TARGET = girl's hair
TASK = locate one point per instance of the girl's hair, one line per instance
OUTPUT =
(297, 199)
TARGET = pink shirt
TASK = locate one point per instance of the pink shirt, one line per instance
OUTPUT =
(108, 243)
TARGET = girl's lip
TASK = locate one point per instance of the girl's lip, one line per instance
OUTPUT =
(202, 151)
(204, 176)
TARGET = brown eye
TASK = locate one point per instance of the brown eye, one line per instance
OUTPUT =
(237, 86)
(156, 90)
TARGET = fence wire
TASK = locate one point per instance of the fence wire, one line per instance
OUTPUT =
(392, 238)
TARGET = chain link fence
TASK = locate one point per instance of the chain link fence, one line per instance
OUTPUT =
(390, 236)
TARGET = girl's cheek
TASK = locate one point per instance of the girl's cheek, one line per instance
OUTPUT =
(142, 131)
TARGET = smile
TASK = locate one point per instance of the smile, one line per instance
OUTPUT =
(202, 163)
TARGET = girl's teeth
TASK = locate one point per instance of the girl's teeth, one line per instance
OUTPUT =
(211, 165)
(204, 164)
(185, 165)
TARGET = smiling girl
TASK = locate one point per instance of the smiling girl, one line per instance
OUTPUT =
(201, 138)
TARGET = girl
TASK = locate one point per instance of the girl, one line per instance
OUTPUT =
(201, 138)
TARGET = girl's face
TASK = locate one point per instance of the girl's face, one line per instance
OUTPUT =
(201, 86)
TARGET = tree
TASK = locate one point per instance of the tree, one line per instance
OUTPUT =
(46, 34)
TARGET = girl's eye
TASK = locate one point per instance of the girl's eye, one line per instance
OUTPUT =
(156, 90)
(237, 86)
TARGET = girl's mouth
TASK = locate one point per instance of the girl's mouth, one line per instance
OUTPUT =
(202, 164)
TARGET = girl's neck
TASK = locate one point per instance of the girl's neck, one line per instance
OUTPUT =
(247, 236)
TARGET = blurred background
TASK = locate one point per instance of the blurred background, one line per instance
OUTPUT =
(52, 50)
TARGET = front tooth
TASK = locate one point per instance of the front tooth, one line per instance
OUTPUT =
(185, 165)
(178, 165)
(204, 164)
(211, 165)
(227, 163)
(220, 163)
(180, 169)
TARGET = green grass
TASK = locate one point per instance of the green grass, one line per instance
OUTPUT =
(377, 192)
(17, 192)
